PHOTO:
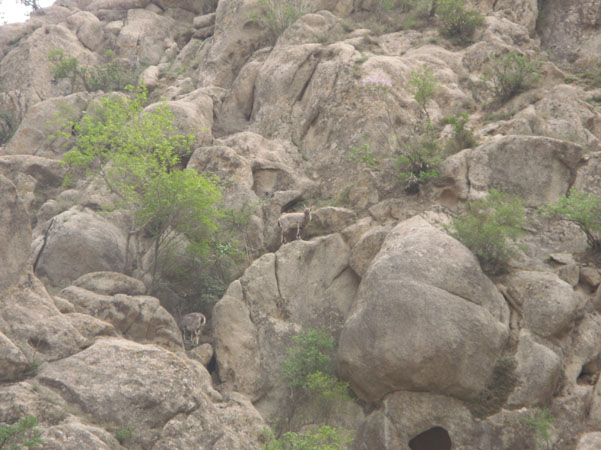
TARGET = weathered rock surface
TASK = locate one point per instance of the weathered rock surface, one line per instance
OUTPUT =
(29, 318)
(140, 318)
(43, 120)
(110, 283)
(589, 441)
(15, 234)
(123, 383)
(425, 318)
(537, 169)
(549, 304)
(405, 415)
(537, 372)
(304, 284)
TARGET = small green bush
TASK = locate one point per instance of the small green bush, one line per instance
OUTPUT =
(457, 22)
(583, 209)
(487, 227)
(22, 434)
(421, 158)
(124, 433)
(462, 136)
(513, 74)
(325, 438)
(277, 15)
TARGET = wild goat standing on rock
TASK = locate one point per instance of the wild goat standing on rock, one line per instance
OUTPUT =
(193, 323)
(290, 221)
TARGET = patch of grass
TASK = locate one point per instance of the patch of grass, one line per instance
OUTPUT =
(21, 434)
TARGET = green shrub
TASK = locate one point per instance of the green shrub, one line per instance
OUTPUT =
(513, 73)
(487, 227)
(583, 209)
(22, 434)
(325, 438)
(462, 137)
(277, 15)
(455, 21)
(420, 159)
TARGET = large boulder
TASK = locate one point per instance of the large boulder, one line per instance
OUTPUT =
(15, 234)
(549, 304)
(76, 242)
(537, 373)
(535, 168)
(193, 115)
(426, 319)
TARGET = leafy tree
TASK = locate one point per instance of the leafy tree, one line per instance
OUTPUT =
(583, 209)
(22, 434)
(137, 155)
(487, 227)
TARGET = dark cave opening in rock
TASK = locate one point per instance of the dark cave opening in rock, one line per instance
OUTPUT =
(436, 438)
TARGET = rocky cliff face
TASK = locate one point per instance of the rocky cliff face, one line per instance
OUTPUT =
(434, 348)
